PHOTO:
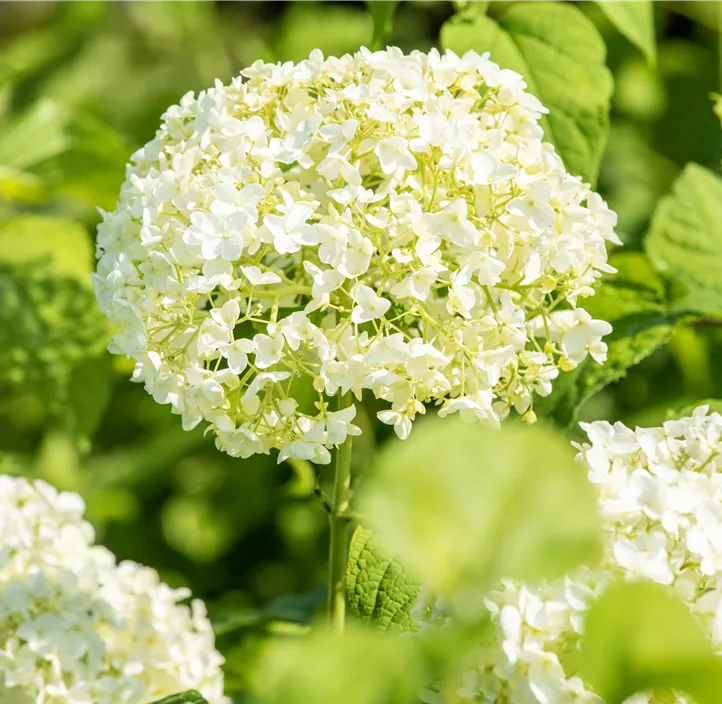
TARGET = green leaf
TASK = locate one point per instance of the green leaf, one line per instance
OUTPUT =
(561, 56)
(358, 667)
(92, 168)
(633, 301)
(37, 134)
(379, 589)
(196, 528)
(57, 243)
(345, 28)
(51, 149)
(464, 506)
(20, 185)
(289, 609)
(639, 636)
(382, 12)
(686, 410)
(685, 241)
(90, 385)
(635, 21)
(189, 697)
(50, 323)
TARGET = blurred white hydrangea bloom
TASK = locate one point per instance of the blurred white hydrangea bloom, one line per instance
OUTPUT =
(383, 222)
(660, 494)
(77, 628)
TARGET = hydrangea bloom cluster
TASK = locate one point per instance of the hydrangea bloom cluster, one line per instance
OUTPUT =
(77, 628)
(660, 494)
(383, 222)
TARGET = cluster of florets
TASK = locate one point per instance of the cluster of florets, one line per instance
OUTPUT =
(660, 494)
(77, 628)
(383, 222)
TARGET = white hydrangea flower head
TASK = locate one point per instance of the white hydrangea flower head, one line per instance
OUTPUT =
(660, 495)
(77, 628)
(382, 222)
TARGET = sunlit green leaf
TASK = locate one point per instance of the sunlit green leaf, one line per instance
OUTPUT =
(33, 50)
(464, 505)
(93, 168)
(345, 29)
(35, 135)
(561, 56)
(48, 149)
(379, 590)
(685, 241)
(58, 244)
(639, 636)
(16, 184)
(360, 667)
(635, 20)
(633, 301)
(193, 27)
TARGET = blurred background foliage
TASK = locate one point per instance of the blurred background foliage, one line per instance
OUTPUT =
(82, 85)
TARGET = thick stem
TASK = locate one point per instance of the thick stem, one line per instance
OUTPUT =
(338, 523)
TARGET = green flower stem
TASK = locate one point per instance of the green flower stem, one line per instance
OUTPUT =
(338, 522)
(478, 7)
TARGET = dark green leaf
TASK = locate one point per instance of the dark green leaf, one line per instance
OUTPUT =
(685, 241)
(379, 589)
(89, 389)
(639, 636)
(561, 56)
(295, 609)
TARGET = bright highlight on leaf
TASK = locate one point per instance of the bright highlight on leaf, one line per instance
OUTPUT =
(561, 56)
(463, 506)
